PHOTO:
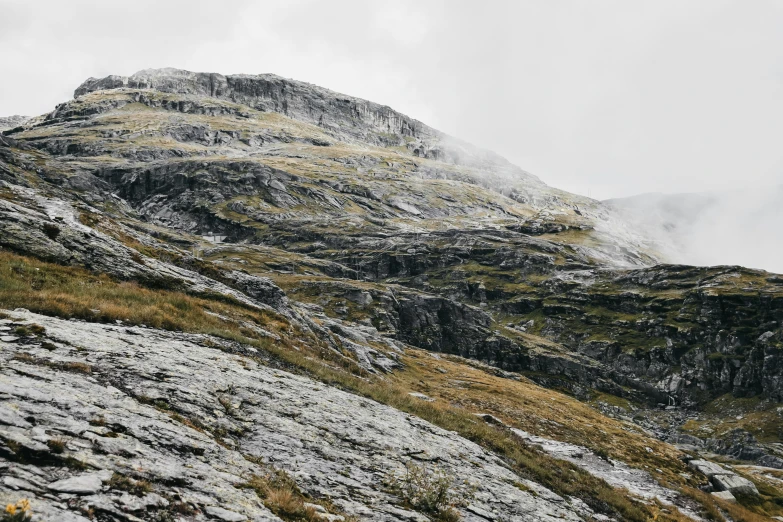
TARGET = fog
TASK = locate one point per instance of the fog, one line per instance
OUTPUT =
(606, 98)
(740, 227)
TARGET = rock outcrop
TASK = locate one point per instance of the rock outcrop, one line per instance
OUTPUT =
(196, 423)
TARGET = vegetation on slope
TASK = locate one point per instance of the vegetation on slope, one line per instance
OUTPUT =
(74, 292)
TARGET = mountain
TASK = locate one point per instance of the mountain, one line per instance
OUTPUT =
(252, 298)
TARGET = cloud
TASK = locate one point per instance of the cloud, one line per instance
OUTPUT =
(737, 227)
(606, 98)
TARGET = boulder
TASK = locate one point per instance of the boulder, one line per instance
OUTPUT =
(707, 468)
(735, 484)
(724, 495)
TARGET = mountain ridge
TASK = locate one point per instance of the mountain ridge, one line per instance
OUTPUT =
(447, 286)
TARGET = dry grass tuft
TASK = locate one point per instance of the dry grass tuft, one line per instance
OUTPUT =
(18, 512)
(135, 487)
(282, 496)
(56, 445)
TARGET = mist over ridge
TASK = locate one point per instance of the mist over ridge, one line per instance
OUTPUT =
(742, 227)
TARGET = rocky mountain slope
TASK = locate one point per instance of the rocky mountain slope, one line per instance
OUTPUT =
(251, 298)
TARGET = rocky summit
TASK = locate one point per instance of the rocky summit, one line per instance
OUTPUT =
(248, 298)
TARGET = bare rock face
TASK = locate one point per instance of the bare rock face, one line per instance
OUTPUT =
(340, 114)
(137, 413)
(343, 183)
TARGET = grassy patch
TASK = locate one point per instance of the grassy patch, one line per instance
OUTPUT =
(68, 366)
(73, 292)
(726, 413)
(282, 496)
(134, 487)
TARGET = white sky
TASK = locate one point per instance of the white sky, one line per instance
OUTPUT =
(604, 98)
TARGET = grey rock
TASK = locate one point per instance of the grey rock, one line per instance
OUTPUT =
(81, 484)
(225, 514)
(724, 479)
(707, 468)
(336, 445)
(421, 396)
(724, 495)
(10, 122)
(734, 484)
(771, 461)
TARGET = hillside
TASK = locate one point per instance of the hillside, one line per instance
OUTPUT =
(251, 298)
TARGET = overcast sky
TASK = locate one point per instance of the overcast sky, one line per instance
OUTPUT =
(603, 98)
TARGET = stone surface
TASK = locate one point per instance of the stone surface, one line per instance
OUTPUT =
(224, 514)
(336, 445)
(707, 468)
(734, 484)
(724, 495)
(618, 474)
(86, 484)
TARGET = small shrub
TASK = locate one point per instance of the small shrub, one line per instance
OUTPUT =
(134, 487)
(602, 454)
(37, 329)
(25, 358)
(182, 508)
(428, 491)
(56, 445)
(19, 512)
(98, 421)
(282, 496)
(51, 231)
(284, 502)
(226, 403)
(76, 367)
